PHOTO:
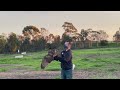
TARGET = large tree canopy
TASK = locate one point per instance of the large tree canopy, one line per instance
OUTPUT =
(31, 32)
(116, 36)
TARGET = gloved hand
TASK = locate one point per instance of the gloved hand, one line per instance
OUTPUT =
(55, 57)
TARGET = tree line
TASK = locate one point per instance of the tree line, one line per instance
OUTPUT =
(35, 39)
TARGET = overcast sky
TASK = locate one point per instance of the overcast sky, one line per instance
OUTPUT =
(15, 21)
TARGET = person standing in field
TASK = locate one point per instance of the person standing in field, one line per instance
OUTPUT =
(66, 61)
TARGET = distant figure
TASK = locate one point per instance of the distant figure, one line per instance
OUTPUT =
(66, 61)
(18, 51)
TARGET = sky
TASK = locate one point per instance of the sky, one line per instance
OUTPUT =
(15, 21)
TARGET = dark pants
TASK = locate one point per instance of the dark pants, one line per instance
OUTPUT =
(66, 74)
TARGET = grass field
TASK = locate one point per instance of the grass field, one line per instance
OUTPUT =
(103, 61)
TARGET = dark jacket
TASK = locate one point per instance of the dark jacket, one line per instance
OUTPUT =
(65, 59)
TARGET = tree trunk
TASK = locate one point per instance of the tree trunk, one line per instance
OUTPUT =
(97, 44)
(75, 44)
(91, 44)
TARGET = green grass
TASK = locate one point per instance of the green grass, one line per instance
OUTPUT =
(32, 60)
(3, 69)
(104, 59)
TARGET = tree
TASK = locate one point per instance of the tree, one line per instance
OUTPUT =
(31, 32)
(13, 42)
(39, 44)
(91, 36)
(3, 42)
(26, 45)
(44, 32)
(103, 35)
(66, 38)
(71, 32)
(95, 37)
(53, 42)
(85, 36)
(116, 36)
(68, 27)
(50, 38)
(57, 41)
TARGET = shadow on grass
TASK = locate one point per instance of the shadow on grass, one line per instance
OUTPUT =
(85, 59)
(98, 65)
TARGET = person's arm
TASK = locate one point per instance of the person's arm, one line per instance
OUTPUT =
(61, 59)
(64, 59)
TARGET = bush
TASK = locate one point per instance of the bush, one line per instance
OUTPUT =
(104, 43)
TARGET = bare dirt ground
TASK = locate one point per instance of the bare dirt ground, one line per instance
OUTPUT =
(22, 74)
